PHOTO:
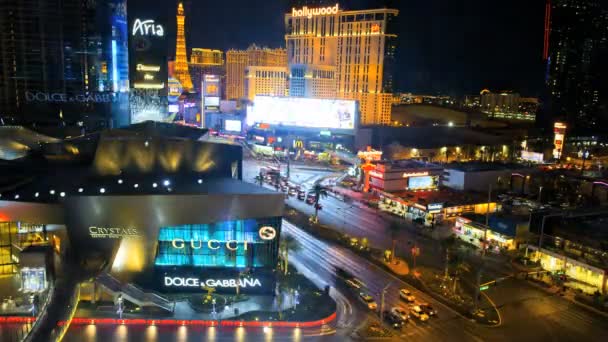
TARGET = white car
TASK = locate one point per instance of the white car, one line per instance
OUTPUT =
(407, 296)
(401, 312)
(355, 283)
(368, 300)
(419, 313)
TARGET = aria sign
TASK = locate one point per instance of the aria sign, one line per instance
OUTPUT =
(313, 12)
(266, 233)
(195, 282)
(147, 28)
(112, 233)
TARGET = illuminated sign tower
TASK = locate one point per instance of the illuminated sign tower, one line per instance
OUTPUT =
(181, 60)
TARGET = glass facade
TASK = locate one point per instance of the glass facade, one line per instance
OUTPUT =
(225, 244)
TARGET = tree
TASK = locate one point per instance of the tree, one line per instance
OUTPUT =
(287, 243)
(459, 266)
(319, 191)
(393, 228)
(448, 245)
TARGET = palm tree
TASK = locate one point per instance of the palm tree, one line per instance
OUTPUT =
(460, 266)
(393, 228)
(447, 245)
(319, 191)
(287, 243)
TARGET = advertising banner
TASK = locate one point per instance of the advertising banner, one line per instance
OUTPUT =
(303, 112)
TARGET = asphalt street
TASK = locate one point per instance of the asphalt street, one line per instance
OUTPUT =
(528, 313)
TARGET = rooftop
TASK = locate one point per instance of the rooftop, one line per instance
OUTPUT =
(53, 190)
(407, 164)
(484, 166)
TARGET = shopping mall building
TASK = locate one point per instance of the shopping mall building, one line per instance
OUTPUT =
(148, 205)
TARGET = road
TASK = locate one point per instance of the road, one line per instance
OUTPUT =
(527, 312)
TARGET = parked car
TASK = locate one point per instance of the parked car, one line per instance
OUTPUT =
(301, 195)
(407, 296)
(368, 301)
(394, 320)
(417, 312)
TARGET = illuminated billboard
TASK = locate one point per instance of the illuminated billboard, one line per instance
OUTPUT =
(559, 129)
(238, 243)
(303, 112)
(232, 125)
(148, 67)
(211, 92)
(422, 182)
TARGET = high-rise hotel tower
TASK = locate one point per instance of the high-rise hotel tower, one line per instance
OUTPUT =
(359, 44)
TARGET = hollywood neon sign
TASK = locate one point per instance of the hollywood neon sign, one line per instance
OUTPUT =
(147, 28)
(195, 282)
(313, 12)
(266, 233)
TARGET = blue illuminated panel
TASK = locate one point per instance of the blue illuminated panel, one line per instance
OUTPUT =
(221, 244)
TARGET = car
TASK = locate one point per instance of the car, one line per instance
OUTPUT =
(301, 195)
(292, 192)
(417, 312)
(394, 320)
(407, 296)
(368, 301)
(355, 283)
(428, 309)
(401, 312)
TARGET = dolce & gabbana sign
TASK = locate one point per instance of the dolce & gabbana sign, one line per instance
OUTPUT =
(222, 283)
(38, 96)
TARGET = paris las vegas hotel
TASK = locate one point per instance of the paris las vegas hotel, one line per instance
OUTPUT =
(354, 51)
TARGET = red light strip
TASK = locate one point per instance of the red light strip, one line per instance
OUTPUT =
(175, 322)
(547, 29)
(204, 323)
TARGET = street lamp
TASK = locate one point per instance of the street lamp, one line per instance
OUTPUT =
(382, 301)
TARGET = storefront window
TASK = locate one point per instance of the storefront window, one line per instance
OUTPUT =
(33, 279)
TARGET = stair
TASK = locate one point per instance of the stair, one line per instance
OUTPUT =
(133, 293)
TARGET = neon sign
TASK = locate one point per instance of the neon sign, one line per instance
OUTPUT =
(145, 67)
(113, 233)
(313, 12)
(147, 28)
(195, 282)
(266, 233)
(415, 174)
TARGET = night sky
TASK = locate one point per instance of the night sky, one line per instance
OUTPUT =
(445, 46)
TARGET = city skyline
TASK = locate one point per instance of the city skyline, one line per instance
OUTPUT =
(441, 58)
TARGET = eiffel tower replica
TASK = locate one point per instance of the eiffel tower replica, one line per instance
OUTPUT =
(181, 72)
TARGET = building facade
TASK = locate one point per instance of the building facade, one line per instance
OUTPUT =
(317, 81)
(54, 70)
(238, 60)
(576, 48)
(360, 44)
(261, 80)
(207, 62)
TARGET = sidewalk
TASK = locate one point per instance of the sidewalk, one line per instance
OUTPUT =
(185, 311)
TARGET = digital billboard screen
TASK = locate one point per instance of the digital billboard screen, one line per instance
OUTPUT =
(424, 182)
(303, 112)
(232, 125)
(225, 244)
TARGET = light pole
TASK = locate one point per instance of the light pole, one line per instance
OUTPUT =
(382, 301)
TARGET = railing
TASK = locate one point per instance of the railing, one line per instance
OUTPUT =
(134, 293)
